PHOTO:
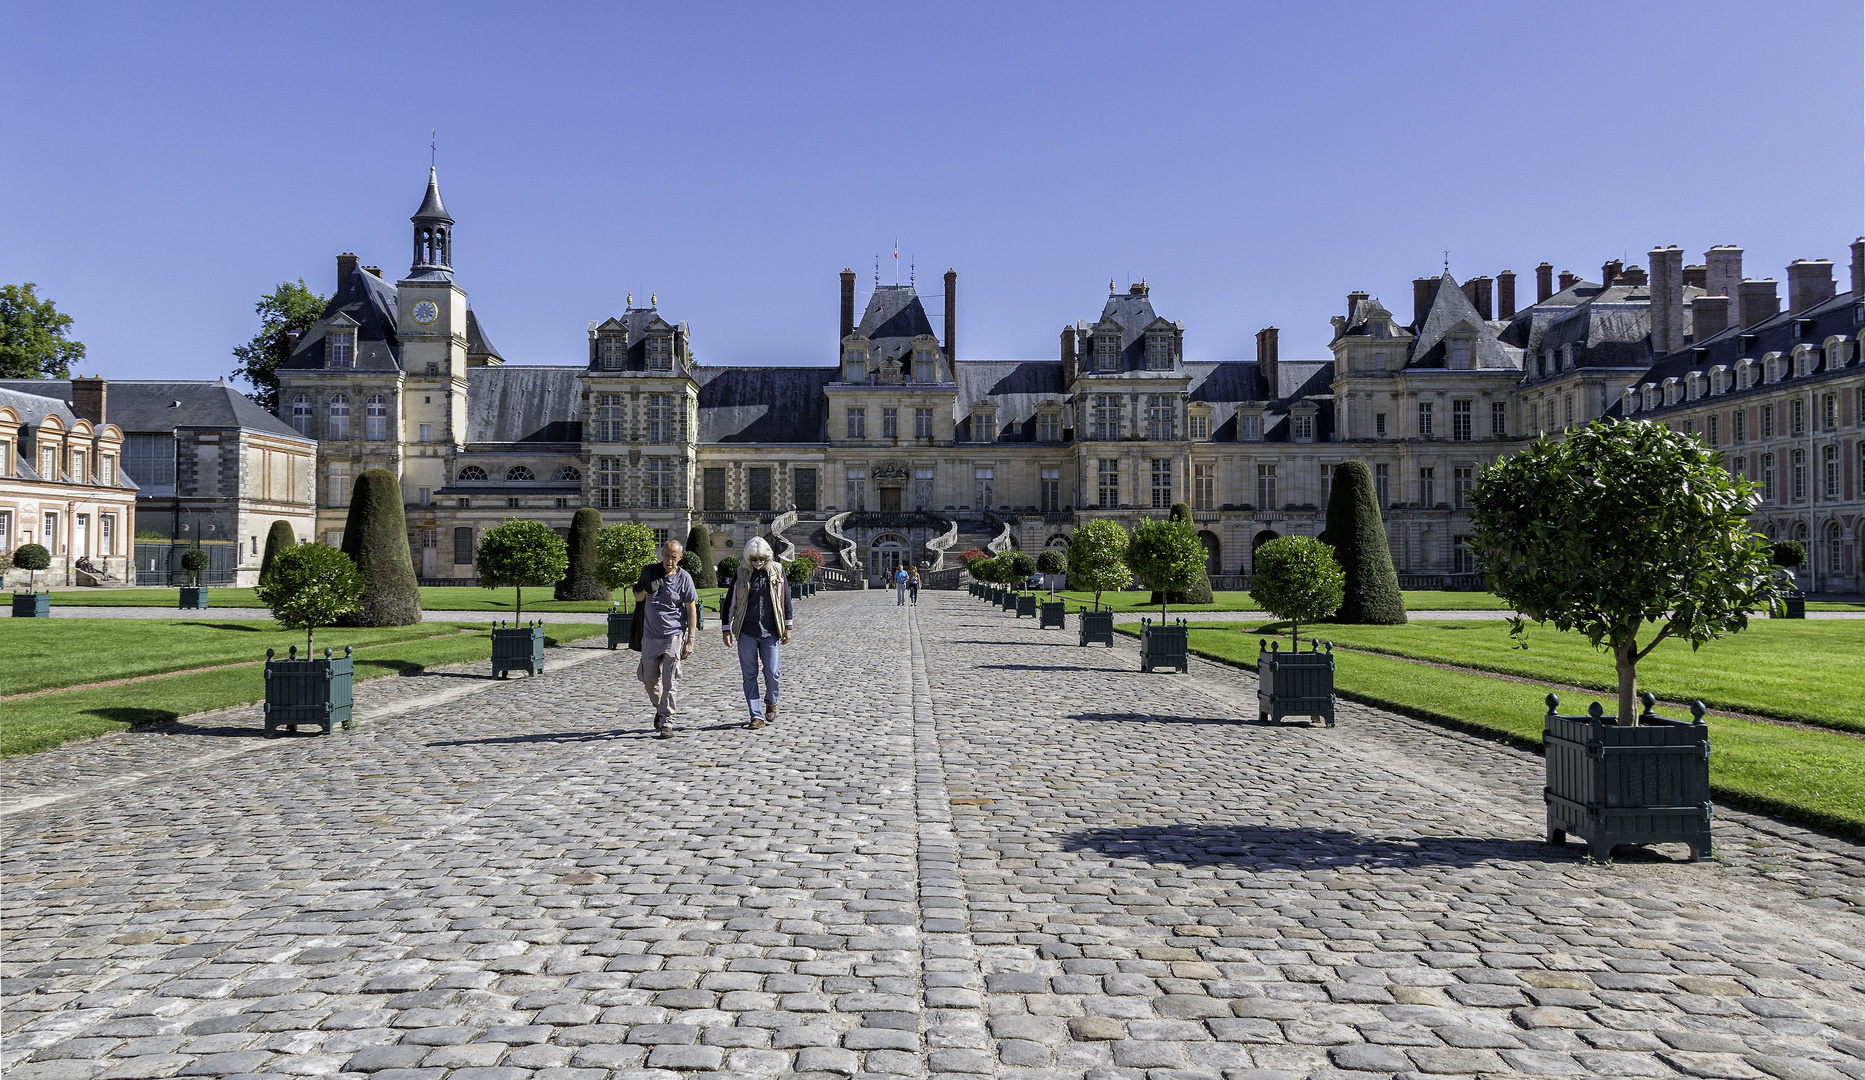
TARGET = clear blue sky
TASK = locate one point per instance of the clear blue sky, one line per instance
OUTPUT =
(165, 164)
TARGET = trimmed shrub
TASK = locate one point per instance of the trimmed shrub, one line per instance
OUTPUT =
(1199, 593)
(195, 562)
(1097, 558)
(1018, 567)
(1051, 561)
(798, 570)
(520, 553)
(375, 537)
(1297, 579)
(1167, 556)
(621, 552)
(580, 582)
(310, 585)
(32, 558)
(279, 538)
(1788, 554)
(1358, 538)
(699, 545)
(728, 568)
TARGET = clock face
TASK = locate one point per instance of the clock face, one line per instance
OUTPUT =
(426, 312)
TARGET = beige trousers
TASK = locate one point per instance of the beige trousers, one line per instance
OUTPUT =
(659, 672)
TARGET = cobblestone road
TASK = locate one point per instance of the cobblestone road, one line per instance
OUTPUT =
(968, 848)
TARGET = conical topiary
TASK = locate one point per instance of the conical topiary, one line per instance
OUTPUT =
(1358, 537)
(375, 535)
(279, 538)
(579, 582)
(699, 543)
(1199, 593)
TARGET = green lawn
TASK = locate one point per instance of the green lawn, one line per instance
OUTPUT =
(433, 598)
(38, 723)
(1136, 600)
(1812, 776)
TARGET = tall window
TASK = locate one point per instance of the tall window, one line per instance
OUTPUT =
(1250, 429)
(856, 424)
(6, 530)
(1797, 417)
(1800, 475)
(660, 418)
(1197, 426)
(922, 423)
(983, 491)
(1460, 421)
(608, 418)
(1158, 352)
(1265, 487)
(1767, 421)
(1712, 428)
(1498, 418)
(1379, 424)
(612, 353)
(341, 349)
(426, 431)
(1107, 483)
(1460, 354)
(1204, 487)
(1049, 482)
(1829, 412)
(1049, 427)
(301, 415)
(107, 474)
(890, 423)
(375, 419)
(1106, 416)
(922, 489)
(806, 489)
(462, 546)
(80, 467)
(1382, 485)
(713, 482)
(337, 484)
(1424, 419)
(1738, 426)
(108, 539)
(1534, 418)
(660, 353)
(1570, 410)
(1835, 552)
(1463, 479)
(984, 426)
(1162, 483)
(339, 428)
(660, 483)
(1767, 478)
(1461, 560)
(1829, 469)
(1427, 487)
(1327, 483)
(1107, 351)
(857, 489)
(1159, 417)
(758, 489)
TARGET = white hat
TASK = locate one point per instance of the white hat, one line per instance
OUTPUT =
(755, 547)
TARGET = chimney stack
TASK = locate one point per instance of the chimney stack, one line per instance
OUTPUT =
(291, 341)
(1544, 282)
(848, 304)
(1667, 299)
(1858, 268)
(1609, 273)
(1505, 295)
(87, 398)
(1422, 290)
(1567, 280)
(1697, 276)
(951, 317)
(346, 265)
(1353, 302)
(1266, 357)
(1068, 355)
(376, 270)
(1709, 316)
(1757, 301)
(1632, 275)
(1485, 295)
(1809, 282)
(1723, 271)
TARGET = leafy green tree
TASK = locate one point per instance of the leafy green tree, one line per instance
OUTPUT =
(31, 558)
(1017, 567)
(278, 538)
(195, 562)
(1051, 561)
(798, 570)
(1167, 556)
(1297, 579)
(699, 545)
(520, 553)
(375, 537)
(1199, 593)
(290, 308)
(33, 341)
(1097, 558)
(1788, 554)
(580, 583)
(1358, 536)
(1619, 528)
(728, 568)
(621, 552)
(310, 585)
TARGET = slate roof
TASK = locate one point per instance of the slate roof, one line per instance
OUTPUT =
(431, 209)
(1527, 325)
(148, 407)
(523, 403)
(1134, 312)
(1450, 308)
(371, 303)
(1612, 329)
(33, 406)
(477, 343)
(1367, 312)
(1017, 386)
(894, 317)
(763, 404)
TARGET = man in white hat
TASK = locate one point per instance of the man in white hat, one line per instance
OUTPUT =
(758, 613)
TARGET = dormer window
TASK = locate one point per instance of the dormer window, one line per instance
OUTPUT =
(612, 352)
(1460, 354)
(1158, 352)
(1106, 351)
(983, 424)
(660, 353)
(340, 349)
(1198, 424)
(1379, 361)
(1049, 427)
(925, 364)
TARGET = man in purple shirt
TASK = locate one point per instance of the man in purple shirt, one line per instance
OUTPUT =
(667, 605)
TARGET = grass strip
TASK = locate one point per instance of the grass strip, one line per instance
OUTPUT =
(433, 598)
(1812, 777)
(40, 723)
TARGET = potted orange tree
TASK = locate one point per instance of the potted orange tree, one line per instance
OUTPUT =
(621, 552)
(1167, 557)
(32, 603)
(1097, 562)
(1297, 579)
(519, 553)
(308, 586)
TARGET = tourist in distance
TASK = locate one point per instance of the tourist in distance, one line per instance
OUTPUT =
(913, 586)
(667, 601)
(900, 586)
(758, 613)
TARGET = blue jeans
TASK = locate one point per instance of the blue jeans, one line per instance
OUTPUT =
(750, 651)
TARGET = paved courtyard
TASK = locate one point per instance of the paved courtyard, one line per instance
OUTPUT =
(968, 848)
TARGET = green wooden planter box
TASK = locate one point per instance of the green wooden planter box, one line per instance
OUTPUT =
(32, 605)
(1612, 785)
(1794, 605)
(619, 625)
(308, 691)
(1294, 683)
(1010, 600)
(193, 598)
(1052, 613)
(517, 648)
(1026, 605)
(1097, 626)
(1164, 645)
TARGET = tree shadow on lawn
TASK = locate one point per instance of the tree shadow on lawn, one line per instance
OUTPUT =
(246, 627)
(1275, 847)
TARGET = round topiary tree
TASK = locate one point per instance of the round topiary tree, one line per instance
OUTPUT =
(279, 538)
(1097, 558)
(728, 568)
(194, 563)
(520, 553)
(1297, 579)
(798, 570)
(621, 552)
(375, 537)
(1358, 537)
(580, 582)
(310, 585)
(31, 558)
(1167, 556)
(1619, 528)
(691, 564)
(1788, 554)
(699, 545)
(1199, 593)
(1017, 568)
(1052, 561)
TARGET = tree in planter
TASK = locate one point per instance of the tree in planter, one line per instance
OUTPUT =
(1097, 558)
(194, 563)
(580, 583)
(1297, 579)
(621, 552)
(1199, 593)
(375, 537)
(798, 570)
(1620, 527)
(310, 585)
(1017, 568)
(31, 558)
(279, 538)
(1358, 536)
(699, 545)
(520, 553)
(1167, 556)
(1051, 561)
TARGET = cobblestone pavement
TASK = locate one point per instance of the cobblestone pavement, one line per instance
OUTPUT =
(967, 848)
(867, 597)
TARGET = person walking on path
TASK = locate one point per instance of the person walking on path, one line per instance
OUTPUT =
(900, 586)
(758, 613)
(667, 602)
(913, 586)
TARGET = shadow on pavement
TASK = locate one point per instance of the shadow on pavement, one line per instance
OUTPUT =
(549, 737)
(1273, 847)
(1151, 718)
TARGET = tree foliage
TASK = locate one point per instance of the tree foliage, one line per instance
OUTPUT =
(375, 537)
(580, 582)
(1620, 527)
(520, 553)
(33, 336)
(279, 538)
(621, 552)
(290, 308)
(728, 568)
(1167, 556)
(195, 562)
(699, 545)
(1199, 592)
(1297, 579)
(1788, 554)
(1052, 561)
(1097, 558)
(310, 585)
(798, 570)
(1017, 567)
(31, 558)
(1358, 537)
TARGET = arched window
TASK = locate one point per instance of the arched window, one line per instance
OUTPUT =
(519, 472)
(340, 416)
(1835, 552)
(376, 419)
(569, 472)
(471, 472)
(301, 415)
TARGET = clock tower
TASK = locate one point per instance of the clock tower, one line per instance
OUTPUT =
(431, 319)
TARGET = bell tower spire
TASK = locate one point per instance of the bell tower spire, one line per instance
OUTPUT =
(433, 232)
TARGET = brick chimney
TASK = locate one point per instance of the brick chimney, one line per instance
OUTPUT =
(1482, 294)
(1667, 299)
(1505, 295)
(1544, 282)
(1723, 270)
(1757, 301)
(346, 265)
(951, 315)
(1609, 273)
(1266, 357)
(1567, 280)
(1697, 276)
(376, 270)
(1422, 290)
(848, 304)
(1068, 355)
(1809, 282)
(1632, 275)
(1353, 301)
(1858, 268)
(1709, 316)
(87, 398)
